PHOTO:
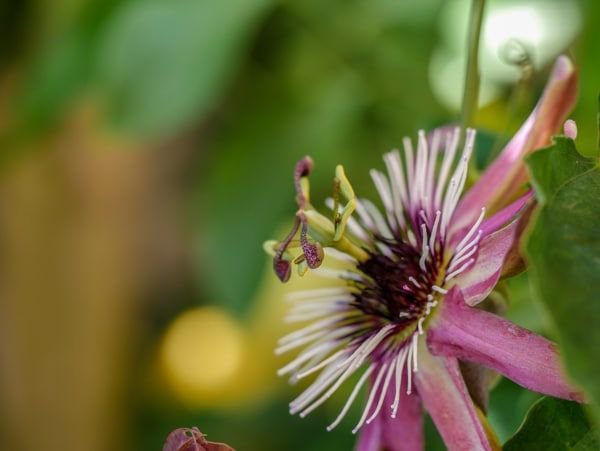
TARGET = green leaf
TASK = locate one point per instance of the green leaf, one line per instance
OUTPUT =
(563, 251)
(162, 62)
(54, 78)
(554, 166)
(555, 425)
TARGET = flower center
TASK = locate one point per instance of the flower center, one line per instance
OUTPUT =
(396, 288)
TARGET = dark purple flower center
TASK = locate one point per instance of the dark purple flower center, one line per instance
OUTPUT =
(396, 287)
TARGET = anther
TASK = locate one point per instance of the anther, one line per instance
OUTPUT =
(281, 264)
(313, 253)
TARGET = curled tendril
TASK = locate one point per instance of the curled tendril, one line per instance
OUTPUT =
(517, 53)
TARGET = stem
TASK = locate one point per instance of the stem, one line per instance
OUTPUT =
(598, 122)
(471, 92)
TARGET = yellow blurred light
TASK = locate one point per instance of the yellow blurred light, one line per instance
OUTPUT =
(202, 353)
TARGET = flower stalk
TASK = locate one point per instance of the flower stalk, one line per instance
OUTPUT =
(472, 76)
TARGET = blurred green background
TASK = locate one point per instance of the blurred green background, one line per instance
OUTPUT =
(146, 152)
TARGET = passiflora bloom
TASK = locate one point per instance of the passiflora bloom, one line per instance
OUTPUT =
(400, 312)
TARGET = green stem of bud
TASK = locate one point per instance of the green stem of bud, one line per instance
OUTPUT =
(471, 88)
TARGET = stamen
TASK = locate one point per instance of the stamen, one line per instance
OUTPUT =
(423, 215)
(459, 270)
(352, 397)
(424, 256)
(316, 293)
(439, 289)
(401, 359)
(383, 188)
(446, 210)
(336, 308)
(462, 168)
(396, 175)
(371, 396)
(458, 180)
(350, 365)
(381, 225)
(305, 356)
(322, 364)
(421, 167)
(324, 380)
(449, 153)
(466, 248)
(346, 374)
(293, 379)
(340, 256)
(411, 238)
(337, 274)
(376, 339)
(468, 236)
(382, 394)
(312, 252)
(299, 317)
(320, 304)
(423, 237)
(458, 261)
(309, 329)
(415, 344)
(430, 176)
(293, 344)
(414, 281)
(430, 304)
(360, 353)
(409, 370)
(436, 223)
(410, 169)
(364, 216)
(385, 250)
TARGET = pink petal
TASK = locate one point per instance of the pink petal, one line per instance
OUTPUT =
(444, 394)
(371, 436)
(505, 176)
(405, 432)
(477, 282)
(481, 337)
(479, 380)
(497, 221)
(505, 215)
